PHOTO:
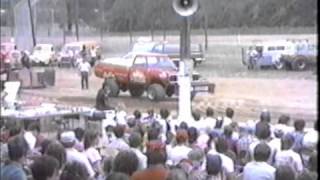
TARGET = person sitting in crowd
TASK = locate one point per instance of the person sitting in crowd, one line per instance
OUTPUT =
(287, 156)
(45, 168)
(126, 162)
(56, 150)
(79, 132)
(74, 170)
(284, 172)
(119, 143)
(68, 140)
(156, 170)
(92, 154)
(17, 151)
(259, 169)
(135, 142)
(180, 150)
(298, 134)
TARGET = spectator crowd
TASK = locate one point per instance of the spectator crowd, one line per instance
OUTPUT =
(158, 147)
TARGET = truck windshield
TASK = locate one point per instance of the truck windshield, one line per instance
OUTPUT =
(161, 62)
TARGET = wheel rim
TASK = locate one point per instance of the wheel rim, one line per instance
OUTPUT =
(151, 95)
(279, 64)
(301, 64)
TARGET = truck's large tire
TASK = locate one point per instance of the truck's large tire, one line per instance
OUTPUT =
(299, 64)
(170, 91)
(112, 87)
(136, 91)
(156, 92)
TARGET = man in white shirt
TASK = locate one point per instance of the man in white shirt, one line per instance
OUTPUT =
(287, 156)
(221, 147)
(84, 68)
(259, 169)
(135, 142)
(68, 140)
(263, 134)
(181, 150)
(119, 143)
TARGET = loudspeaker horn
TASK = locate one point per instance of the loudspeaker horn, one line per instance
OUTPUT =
(185, 7)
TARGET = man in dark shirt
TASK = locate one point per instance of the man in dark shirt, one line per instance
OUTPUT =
(102, 100)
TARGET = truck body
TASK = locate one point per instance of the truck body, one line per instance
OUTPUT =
(139, 72)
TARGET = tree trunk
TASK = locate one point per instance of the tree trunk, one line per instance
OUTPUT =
(77, 19)
(152, 31)
(130, 31)
(206, 32)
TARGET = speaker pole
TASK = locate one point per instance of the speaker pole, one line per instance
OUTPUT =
(185, 72)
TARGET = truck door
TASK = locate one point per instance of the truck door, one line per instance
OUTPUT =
(138, 71)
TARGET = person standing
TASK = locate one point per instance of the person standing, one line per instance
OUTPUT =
(84, 68)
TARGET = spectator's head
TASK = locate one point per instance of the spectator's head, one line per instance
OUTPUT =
(118, 131)
(229, 112)
(68, 139)
(192, 134)
(209, 112)
(196, 156)
(132, 123)
(299, 125)
(265, 116)
(227, 131)
(108, 129)
(44, 145)
(284, 172)
(183, 125)
(153, 134)
(83, 47)
(150, 112)
(135, 140)
(262, 130)
(34, 128)
(14, 130)
(214, 164)
(15, 47)
(74, 170)
(17, 148)
(156, 157)
(287, 142)
(164, 113)
(107, 165)
(221, 145)
(181, 136)
(306, 175)
(177, 174)
(118, 176)
(44, 168)
(79, 132)
(284, 119)
(261, 152)
(196, 115)
(90, 139)
(56, 150)
(313, 162)
(137, 114)
(126, 162)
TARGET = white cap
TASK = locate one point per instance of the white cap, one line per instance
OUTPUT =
(67, 137)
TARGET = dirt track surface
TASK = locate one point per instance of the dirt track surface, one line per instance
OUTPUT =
(248, 96)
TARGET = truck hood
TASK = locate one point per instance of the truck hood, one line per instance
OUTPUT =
(117, 61)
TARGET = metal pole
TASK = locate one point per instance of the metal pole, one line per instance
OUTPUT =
(185, 71)
(32, 25)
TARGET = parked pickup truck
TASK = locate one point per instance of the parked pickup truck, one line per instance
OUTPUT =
(139, 72)
(172, 50)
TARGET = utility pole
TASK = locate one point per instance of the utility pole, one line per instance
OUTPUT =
(32, 25)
